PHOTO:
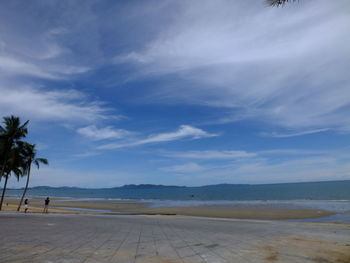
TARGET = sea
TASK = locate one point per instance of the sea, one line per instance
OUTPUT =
(328, 195)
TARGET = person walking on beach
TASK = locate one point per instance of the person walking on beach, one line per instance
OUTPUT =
(46, 207)
(26, 205)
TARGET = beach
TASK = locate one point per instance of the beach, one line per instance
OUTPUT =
(59, 237)
(85, 230)
(238, 211)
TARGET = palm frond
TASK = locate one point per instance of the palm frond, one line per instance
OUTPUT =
(43, 161)
(39, 161)
(13, 128)
(278, 2)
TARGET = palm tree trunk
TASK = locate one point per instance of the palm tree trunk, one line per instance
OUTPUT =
(3, 191)
(25, 189)
(3, 168)
(4, 161)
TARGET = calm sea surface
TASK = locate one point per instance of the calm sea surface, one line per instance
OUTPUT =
(334, 190)
(332, 196)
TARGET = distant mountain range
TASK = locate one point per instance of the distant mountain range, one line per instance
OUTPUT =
(326, 190)
(158, 186)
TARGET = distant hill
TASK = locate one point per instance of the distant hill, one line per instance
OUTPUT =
(144, 186)
(330, 190)
(160, 186)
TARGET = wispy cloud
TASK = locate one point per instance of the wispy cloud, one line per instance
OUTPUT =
(229, 155)
(16, 67)
(184, 132)
(283, 70)
(37, 64)
(293, 152)
(184, 168)
(235, 55)
(108, 132)
(294, 134)
(211, 154)
(304, 169)
(54, 105)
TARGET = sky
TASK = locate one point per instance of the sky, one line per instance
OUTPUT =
(179, 92)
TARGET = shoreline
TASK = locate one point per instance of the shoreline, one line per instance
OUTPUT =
(119, 207)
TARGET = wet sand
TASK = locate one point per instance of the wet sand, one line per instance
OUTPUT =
(129, 206)
(240, 212)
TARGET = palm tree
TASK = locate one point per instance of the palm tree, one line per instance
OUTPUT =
(10, 136)
(30, 158)
(14, 165)
(278, 2)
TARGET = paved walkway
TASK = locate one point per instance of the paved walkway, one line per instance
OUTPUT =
(100, 238)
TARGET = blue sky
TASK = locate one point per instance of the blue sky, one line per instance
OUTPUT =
(179, 92)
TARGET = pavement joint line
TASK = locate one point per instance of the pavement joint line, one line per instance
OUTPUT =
(138, 244)
(99, 238)
(120, 244)
(91, 254)
(166, 236)
(189, 246)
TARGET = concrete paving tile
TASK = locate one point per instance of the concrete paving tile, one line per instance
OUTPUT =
(91, 238)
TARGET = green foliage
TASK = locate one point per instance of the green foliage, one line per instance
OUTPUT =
(16, 156)
(11, 150)
(29, 157)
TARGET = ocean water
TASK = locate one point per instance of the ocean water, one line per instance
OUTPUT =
(333, 190)
(331, 196)
(337, 206)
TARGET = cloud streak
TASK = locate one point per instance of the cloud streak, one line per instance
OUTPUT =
(211, 155)
(184, 132)
(38, 63)
(294, 134)
(289, 73)
(54, 105)
(184, 168)
(104, 133)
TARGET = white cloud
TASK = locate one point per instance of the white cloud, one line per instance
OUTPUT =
(184, 131)
(103, 133)
(293, 152)
(286, 66)
(211, 154)
(294, 134)
(184, 168)
(12, 67)
(17, 67)
(329, 166)
(248, 156)
(54, 105)
(293, 165)
(259, 170)
(34, 57)
(305, 169)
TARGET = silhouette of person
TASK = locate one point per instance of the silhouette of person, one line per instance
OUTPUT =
(46, 206)
(26, 205)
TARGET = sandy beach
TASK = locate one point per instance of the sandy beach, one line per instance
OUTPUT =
(59, 237)
(135, 207)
